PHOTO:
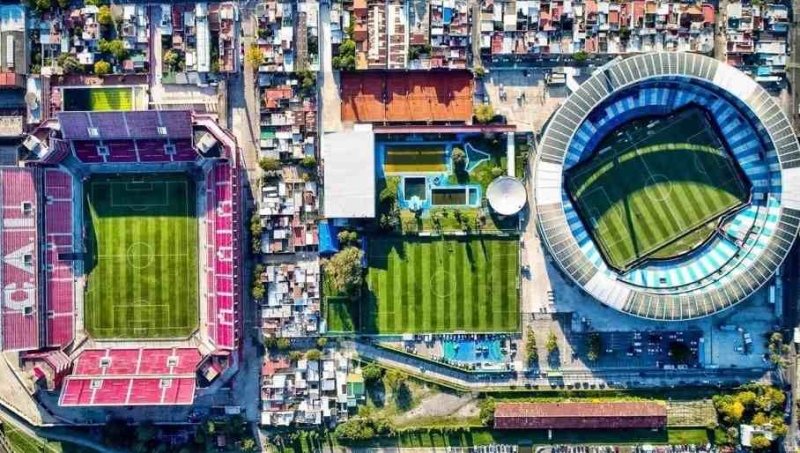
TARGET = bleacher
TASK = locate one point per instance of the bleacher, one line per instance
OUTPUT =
(59, 287)
(131, 377)
(750, 245)
(129, 137)
(19, 285)
(220, 266)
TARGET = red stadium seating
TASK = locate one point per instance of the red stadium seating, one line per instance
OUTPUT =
(135, 150)
(60, 286)
(129, 377)
(219, 221)
(18, 277)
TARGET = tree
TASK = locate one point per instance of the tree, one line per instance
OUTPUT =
(730, 410)
(459, 158)
(104, 16)
(344, 270)
(314, 354)
(307, 82)
(531, 353)
(487, 411)
(552, 343)
(760, 419)
(258, 291)
(249, 444)
(497, 171)
(309, 162)
(294, 356)
(484, 113)
(269, 164)
(102, 68)
(388, 195)
(115, 48)
(254, 56)
(594, 346)
(760, 442)
(171, 59)
(372, 373)
(283, 344)
(347, 237)
(393, 379)
(580, 55)
(770, 399)
(779, 427)
(69, 64)
(357, 429)
(346, 60)
(479, 72)
(321, 342)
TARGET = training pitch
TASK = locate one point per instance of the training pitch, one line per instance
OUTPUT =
(143, 270)
(98, 99)
(656, 189)
(414, 158)
(427, 285)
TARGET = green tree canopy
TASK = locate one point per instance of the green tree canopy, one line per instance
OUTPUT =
(484, 113)
(344, 270)
(102, 68)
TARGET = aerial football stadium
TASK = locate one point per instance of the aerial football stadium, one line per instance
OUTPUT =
(668, 186)
(121, 242)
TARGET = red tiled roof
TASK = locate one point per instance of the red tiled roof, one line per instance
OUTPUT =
(708, 13)
(580, 415)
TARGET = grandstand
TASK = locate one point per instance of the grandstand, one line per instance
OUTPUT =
(44, 240)
(387, 97)
(746, 245)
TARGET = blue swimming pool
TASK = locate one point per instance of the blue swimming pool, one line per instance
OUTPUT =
(473, 351)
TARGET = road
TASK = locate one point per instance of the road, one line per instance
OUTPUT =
(620, 378)
(243, 103)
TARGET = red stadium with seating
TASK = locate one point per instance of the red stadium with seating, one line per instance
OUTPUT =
(41, 244)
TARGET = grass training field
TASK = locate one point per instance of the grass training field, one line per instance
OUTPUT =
(98, 99)
(414, 158)
(143, 272)
(656, 189)
(426, 285)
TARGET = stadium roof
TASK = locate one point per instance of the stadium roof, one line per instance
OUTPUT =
(349, 163)
(580, 415)
(751, 264)
(142, 125)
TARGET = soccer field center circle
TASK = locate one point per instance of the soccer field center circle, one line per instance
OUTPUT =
(140, 255)
(749, 244)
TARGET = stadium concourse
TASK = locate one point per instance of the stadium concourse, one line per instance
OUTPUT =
(746, 245)
(43, 242)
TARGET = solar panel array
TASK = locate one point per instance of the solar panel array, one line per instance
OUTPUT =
(767, 142)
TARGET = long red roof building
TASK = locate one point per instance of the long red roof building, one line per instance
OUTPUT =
(611, 415)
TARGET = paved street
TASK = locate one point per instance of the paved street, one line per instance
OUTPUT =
(625, 378)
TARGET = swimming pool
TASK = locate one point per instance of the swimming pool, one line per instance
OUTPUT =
(473, 351)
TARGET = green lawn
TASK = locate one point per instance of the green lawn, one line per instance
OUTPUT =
(417, 285)
(143, 272)
(414, 158)
(341, 314)
(98, 99)
(656, 189)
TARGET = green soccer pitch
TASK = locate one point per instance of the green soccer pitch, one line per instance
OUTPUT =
(98, 99)
(656, 189)
(428, 285)
(143, 271)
